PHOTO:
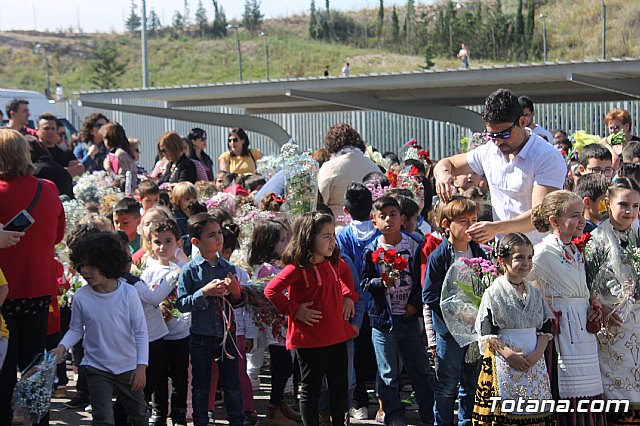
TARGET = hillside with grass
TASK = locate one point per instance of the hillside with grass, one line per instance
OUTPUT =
(574, 30)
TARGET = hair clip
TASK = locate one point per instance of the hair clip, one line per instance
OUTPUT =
(317, 215)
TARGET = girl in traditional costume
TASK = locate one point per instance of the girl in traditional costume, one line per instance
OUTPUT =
(559, 272)
(616, 285)
(514, 328)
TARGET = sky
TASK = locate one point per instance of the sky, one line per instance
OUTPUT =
(103, 16)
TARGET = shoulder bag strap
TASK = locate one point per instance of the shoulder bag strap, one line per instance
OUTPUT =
(35, 197)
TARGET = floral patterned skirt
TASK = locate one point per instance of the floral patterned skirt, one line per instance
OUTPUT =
(483, 412)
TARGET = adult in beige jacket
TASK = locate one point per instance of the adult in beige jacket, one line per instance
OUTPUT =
(347, 164)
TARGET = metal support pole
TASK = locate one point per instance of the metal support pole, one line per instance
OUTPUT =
(145, 64)
(266, 53)
(235, 27)
(46, 67)
(544, 36)
(604, 30)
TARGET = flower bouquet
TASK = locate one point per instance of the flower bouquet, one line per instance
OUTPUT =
(462, 291)
(32, 394)
(222, 200)
(269, 165)
(617, 138)
(68, 290)
(91, 187)
(390, 264)
(376, 157)
(266, 317)
(300, 181)
(74, 211)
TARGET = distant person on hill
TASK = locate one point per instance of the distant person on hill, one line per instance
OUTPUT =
(326, 71)
(59, 92)
(464, 55)
(345, 70)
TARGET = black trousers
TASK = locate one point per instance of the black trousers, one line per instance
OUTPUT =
(364, 363)
(173, 363)
(27, 336)
(281, 370)
(315, 364)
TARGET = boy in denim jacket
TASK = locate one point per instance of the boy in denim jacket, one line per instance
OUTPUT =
(451, 368)
(393, 313)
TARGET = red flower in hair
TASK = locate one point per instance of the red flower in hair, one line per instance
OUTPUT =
(413, 171)
(385, 277)
(393, 178)
(412, 142)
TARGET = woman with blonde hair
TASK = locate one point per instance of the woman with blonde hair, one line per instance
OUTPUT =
(179, 168)
(29, 265)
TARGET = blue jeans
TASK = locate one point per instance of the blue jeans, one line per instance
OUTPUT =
(203, 349)
(404, 340)
(451, 370)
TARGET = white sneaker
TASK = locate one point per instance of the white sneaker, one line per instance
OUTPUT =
(361, 413)
(255, 383)
(380, 417)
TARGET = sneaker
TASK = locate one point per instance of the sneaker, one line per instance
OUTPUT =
(250, 419)
(79, 401)
(17, 420)
(60, 392)
(397, 422)
(255, 383)
(361, 413)
(324, 418)
(380, 416)
(88, 408)
(212, 417)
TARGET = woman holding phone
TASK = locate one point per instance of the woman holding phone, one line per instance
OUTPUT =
(28, 264)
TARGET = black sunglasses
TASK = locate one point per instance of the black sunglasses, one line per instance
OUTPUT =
(233, 139)
(162, 150)
(505, 134)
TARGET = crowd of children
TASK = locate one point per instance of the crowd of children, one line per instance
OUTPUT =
(168, 310)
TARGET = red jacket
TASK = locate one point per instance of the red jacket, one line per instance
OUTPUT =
(430, 244)
(29, 265)
(325, 285)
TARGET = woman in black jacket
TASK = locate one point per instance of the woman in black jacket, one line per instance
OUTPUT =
(197, 144)
(180, 167)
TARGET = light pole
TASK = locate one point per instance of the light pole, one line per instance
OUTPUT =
(235, 27)
(544, 36)
(604, 30)
(266, 52)
(145, 65)
(36, 50)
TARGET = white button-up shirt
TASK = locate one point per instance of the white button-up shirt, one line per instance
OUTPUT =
(511, 182)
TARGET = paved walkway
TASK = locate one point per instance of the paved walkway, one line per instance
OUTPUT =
(77, 417)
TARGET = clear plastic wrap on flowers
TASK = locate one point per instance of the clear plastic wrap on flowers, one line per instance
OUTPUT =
(300, 181)
(32, 394)
(462, 291)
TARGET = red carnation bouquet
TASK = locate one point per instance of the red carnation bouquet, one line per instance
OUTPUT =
(392, 264)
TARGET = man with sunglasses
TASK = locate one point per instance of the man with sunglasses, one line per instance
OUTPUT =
(520, 168)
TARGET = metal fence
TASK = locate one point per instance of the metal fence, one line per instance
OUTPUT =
(385, 131)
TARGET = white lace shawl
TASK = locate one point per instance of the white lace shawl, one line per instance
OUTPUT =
(508, 309)
(555, 273)
(609, 281)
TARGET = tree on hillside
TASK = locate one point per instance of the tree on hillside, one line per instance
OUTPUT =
(313, 20)
(326, 5)
(186, 14)
(380, 22)
(529, 29)
(178, 21)
(518, 32)
(201, 19)
(408, 25)
(252, 16)
(219, 28)
(106, 66)
(133, 21)
(154, 22)
(395, 27)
